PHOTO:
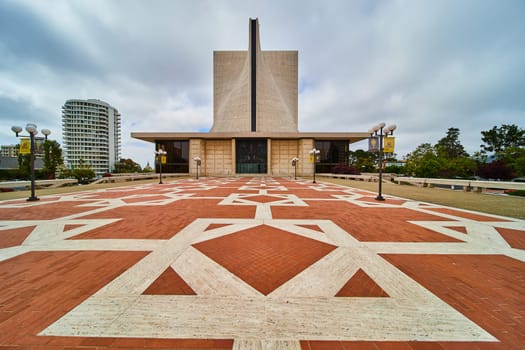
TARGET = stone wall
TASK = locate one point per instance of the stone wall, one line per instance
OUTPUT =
(305, 167)
(197, 149)
(282, 152)
(219, 160)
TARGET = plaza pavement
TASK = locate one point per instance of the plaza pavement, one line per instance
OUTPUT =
(256, 263)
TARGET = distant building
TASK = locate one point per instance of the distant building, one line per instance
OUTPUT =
(255, 121)
(9, 150)
(12, 163)
(91, 134)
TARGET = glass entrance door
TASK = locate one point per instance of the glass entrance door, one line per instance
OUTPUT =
(251, 156)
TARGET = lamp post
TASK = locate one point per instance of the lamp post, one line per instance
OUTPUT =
(294, 164)
(160, 153)
(381, 132)
(197, 164)
(32, 131)
(314, 152)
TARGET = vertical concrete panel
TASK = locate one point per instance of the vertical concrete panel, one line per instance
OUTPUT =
(197, 149)
(305, 167)
(219, 157)
(281, 156)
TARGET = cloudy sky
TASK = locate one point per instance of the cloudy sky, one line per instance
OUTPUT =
(424, 65)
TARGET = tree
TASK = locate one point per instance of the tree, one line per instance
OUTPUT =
(507, 145)
(497, 169)
(24, 165)
(415, 159)
(515, 159)
(52, 158)
(363, 161)
(147, 168)
(83, 172)
(497, 140)
(127, 166)
(449, 146)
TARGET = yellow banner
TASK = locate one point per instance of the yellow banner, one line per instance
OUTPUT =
(389, 143)
(311, 158)
(25, 146)
(163, 159)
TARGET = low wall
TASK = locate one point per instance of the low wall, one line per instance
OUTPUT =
(38, 183)
(134, 177)
(368, 178)
(467, 185)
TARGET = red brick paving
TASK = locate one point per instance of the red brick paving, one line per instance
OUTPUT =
(15, 236)
(24, 201)
(264, 199)
(40, 287)
(169, 283)
(386, 201)
(312, 227)
(515, 238)
(214, 226)
(111, 194)
(465, 215)
(368, 224)
(308, 193)
(461, 229)
(217, 192)
(361, 285)
(161, 222)
(488, 289)
(46, 211)
(69, 227)
(37, 288)
(263, 256)
(145, 199)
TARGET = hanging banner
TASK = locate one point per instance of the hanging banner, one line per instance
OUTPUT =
(39, 145)
(373, 144)
(389, 143)
(163, 159)
(311, 158)
(25, 146)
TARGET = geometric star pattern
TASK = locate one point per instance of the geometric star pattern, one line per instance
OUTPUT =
(255, 263)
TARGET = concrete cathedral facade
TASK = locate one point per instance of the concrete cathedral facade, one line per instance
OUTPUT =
(255, 121)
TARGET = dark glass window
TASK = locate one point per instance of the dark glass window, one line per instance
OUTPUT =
(251, 156)
(333, 152)
(177, 157)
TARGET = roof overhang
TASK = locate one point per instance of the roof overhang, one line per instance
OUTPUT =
(159, 136)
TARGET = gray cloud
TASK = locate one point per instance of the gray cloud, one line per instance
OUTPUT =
(425, 66)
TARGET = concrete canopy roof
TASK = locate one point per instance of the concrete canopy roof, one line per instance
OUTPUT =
(153, 136)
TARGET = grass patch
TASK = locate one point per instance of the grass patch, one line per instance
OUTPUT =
(511, 206)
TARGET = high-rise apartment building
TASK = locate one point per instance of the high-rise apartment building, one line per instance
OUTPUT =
(9, 150)
(91, 134)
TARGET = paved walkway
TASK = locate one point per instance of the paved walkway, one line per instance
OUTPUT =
(257, 263)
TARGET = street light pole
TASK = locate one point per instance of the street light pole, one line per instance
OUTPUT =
(32, 131)
(197, 164)
(314, 153)
(32, 162)
(294, 164)
(380, 131)
(159, 154)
